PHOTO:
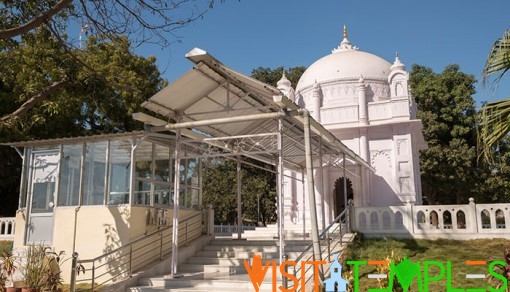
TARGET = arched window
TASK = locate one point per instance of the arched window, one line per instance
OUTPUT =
(386, 220)
(434, 219)
(500, 219)
(461, 220)
(362, 218)
(486, 219)
(399, 221)
(447, 220)
(420, 218)
(374, 221)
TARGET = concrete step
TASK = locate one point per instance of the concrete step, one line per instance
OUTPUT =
(220, 265)
(212, 269)
(191, 289)
(268, 242)
(244, 254)
(216, 282)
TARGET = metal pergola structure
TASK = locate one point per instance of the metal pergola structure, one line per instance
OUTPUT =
(221, 112)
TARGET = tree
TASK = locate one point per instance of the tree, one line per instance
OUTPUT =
(495, 116)
(220, 190)
(271, 76)
(103, 20)
(447, 110)
(88, 104)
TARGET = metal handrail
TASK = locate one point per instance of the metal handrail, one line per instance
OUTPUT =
(128, 250)
(336, 220)
(329, 235)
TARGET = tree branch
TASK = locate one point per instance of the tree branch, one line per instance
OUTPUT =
(35, 22)
(25, 107)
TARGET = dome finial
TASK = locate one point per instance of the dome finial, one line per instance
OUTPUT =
(284, 83)
(345, 45)
(397, 65)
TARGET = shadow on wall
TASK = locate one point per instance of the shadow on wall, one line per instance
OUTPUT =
(116, 235)
(383, 193)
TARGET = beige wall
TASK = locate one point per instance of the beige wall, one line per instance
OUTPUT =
(19, 230)
(99, 229)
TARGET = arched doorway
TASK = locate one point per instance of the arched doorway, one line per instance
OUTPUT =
(339, 194)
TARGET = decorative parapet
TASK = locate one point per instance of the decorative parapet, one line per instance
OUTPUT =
(7, 225)
(435, 221)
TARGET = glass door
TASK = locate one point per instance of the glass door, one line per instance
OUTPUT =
(42, 197)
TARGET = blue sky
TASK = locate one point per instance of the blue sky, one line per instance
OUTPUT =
(250, 33)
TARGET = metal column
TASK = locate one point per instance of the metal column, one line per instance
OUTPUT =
(239, 206)
(304, 191)
(311, 191)
(177, 184)
(345, 190)
(323, 192)
(279, 193)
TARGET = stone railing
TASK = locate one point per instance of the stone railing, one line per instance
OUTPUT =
(434, 221)
(7, 228)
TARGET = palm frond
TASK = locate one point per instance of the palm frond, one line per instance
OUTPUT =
(499, 58)
(494, 125)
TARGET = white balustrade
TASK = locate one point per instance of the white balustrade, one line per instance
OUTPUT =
(449, 221)
(7, 225)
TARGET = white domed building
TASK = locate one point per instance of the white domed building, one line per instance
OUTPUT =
(366, 102)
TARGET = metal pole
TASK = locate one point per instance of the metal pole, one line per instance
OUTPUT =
(130, 263)
(239, 205)
(161, 246)
(285, 280)
(177, 184)
(323, 193)
(73, 272)
(94, 275)
(258, 209)
(311, 190)
(304, 213)
(279, 193)
(254, 117)
(345, 190)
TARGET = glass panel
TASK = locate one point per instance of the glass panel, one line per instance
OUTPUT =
(192, 171)
(143, 167)
(95, 172)
(183, 173)
(182, 197)
(163, 166)
(69, 185)
(42, 196)
(195, 198)
(120, 167)
(142, 193)
(162, 195)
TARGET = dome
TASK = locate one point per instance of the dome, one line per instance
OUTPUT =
(345, 62)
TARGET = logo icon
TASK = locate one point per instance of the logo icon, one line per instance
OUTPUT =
(336, 282)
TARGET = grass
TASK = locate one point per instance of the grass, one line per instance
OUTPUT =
(442, 250)
(5, 245)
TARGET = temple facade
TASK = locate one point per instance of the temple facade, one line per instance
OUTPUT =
(366, 102)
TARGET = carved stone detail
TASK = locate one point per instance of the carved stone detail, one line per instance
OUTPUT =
(403, 183)
(385, 154)
(402, 147)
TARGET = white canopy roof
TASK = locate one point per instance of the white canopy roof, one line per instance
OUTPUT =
(216, 103)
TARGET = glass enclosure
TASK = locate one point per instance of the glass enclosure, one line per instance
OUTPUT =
(102, 173)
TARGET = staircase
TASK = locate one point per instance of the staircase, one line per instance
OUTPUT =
(270, 232)
(220, 267)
